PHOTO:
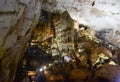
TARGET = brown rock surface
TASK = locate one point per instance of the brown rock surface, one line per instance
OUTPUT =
(109, 73)
(79, 74)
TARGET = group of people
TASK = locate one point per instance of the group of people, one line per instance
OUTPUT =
(40, 77)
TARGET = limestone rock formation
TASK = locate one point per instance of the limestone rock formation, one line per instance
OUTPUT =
(102, 16)
(64, 34)
(17, 18)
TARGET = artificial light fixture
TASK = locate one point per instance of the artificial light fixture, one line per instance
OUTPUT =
(40, 69)
(44, 67)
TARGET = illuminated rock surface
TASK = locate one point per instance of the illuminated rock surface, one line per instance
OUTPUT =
(102, 16)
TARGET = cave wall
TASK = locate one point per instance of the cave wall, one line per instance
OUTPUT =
(17, 18)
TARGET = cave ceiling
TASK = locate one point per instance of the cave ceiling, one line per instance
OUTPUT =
(102, 15)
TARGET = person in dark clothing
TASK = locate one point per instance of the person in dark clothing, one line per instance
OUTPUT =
(40, 78)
